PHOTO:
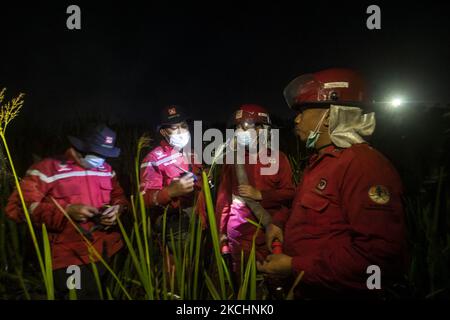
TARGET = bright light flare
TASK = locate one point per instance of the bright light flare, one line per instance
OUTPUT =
(396, 102)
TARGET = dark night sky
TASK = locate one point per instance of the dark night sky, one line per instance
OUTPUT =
(130, 59)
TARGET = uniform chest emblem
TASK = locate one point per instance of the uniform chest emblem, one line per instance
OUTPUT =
(322, 184)
(159, 154)
(63, 167)
(379, 194)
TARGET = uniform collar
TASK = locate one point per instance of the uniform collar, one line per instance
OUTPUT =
(167, 147)
(330, 150)
(164, 143)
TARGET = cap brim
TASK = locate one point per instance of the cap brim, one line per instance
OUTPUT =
(311, 105)
(172, 122)
(77, 143)
(83, 147)
(106, 152)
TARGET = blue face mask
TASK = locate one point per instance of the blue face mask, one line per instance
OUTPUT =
(315, 135)
(245, 138)
(312, 139)
(92, 161)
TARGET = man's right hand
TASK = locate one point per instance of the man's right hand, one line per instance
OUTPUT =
(180, 187)
(273, 232)
(81, 212)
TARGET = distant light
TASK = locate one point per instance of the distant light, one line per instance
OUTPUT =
(396, 102)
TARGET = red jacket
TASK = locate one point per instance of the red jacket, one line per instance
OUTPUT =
(347, 215)
(68, 183)
(277, 190)
(159, 167)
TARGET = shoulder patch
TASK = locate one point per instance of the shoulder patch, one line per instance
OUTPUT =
(379, 194)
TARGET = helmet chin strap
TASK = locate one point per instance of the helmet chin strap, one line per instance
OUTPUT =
(319, 124)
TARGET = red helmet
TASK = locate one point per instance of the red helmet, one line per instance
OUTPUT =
(251, 113)
(330, 86)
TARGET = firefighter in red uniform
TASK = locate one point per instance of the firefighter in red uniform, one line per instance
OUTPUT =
(86, 187)
(347, 214)
(170, 174)
(272, 191)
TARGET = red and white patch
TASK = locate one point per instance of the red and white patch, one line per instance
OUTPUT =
(172, 111)
(63, 167)
(159, 154)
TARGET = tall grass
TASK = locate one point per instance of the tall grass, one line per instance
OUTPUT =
(8, 112)
(164, 267)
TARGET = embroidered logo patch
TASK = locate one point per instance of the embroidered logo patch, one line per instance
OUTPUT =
(63, 167)
(109, 140)
(379, 194)
(322, 184)
(172, 111)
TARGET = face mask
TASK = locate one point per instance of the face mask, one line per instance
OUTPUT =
(91, 161)
(312, 139)
(314, 135)
(263, 135)
(179, 140)
(244, 138)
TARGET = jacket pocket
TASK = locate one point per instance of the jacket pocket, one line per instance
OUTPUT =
(314, 202)
(322, 211)
(105, 191)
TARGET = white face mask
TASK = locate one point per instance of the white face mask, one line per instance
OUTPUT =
(92, 161)
(244, 138)
(179, 140)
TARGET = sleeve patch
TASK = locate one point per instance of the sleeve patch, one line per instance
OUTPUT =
(379, 194)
